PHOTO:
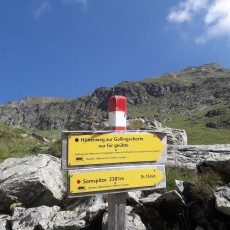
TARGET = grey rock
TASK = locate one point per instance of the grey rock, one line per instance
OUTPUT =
(80, 219)
(215, 112)
(165, 203)
(68, 220)
(5, 222)
(133, 197)
(24, 135)
(81, 204)
(51, 218)
(222, 200)
(219, 124)
(133, 220)
(174, 136)
(34, 218)
(191, 156)
(150, 198)
(221, 165)
(32, 181)
(180, 185)
(40, 138)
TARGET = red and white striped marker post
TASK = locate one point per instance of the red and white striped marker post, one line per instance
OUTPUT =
(117, 202)
(117, 112)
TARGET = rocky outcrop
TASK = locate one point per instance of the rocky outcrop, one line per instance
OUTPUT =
(79, 220)
(222, 200)
(133, 220)
(164, 203)
(34, 218)
(40, 138)
(32, 181)
(52, 218)
(215, 112)
(191, 90)
(5, 222)
(221, 165)
(219, 125)
(190, 156)
(34, 184)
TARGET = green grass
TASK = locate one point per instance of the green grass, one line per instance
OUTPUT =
(202, 185)
(174, 173)
(12, 144)
(196, 129)
(194, 125)
(51, 134)
(136, 125)
(18, 142)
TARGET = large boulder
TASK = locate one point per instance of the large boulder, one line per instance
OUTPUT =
(34, 218)
(191, 156)
(165, 203)
(176, 136)
(221, 165)
(88, 214)
(133, 220)
(32, 181)
(5, 222)
(69, 220)
(82, 213)
(222, 200)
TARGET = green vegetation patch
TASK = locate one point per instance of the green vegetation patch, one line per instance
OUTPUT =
(202, 185)
(18, 142)
(195, 126)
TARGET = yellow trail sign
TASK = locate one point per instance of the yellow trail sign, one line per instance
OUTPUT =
(111, 148)
(107, 180)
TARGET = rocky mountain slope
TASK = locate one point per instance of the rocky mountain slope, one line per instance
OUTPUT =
(194, 89)
(33, 195)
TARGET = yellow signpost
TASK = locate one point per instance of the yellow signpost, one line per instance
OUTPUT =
(114, 162)
(113, 148)
(85, 182)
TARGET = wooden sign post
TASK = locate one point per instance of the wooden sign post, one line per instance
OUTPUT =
(117, 202)
(114, 162)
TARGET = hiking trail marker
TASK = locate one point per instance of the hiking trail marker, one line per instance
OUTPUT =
(114, 162)
(102, 148)
(115, 179)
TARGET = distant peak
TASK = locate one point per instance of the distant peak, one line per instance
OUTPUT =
(34, 100)
(207, 67)
(211, 66)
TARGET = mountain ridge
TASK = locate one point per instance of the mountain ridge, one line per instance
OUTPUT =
(185, 93)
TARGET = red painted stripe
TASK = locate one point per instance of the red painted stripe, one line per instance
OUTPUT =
(118, 128)
(117, 103)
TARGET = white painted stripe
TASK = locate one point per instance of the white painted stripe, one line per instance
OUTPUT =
(117, 118)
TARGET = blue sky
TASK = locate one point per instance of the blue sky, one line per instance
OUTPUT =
(68, 48)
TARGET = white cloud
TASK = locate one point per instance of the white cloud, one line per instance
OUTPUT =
(217, 21)
(215, 17)
(186, 10)
(43, 8)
